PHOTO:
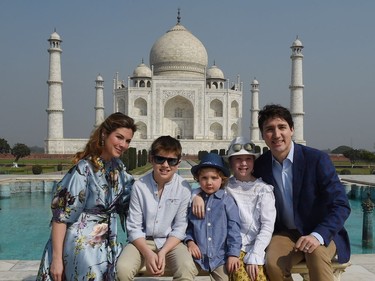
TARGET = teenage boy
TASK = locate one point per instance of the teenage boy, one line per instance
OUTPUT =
(157, 219)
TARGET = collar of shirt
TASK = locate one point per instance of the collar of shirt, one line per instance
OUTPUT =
(289, 157)
(165, 184)
(218, 194)
(155, 185)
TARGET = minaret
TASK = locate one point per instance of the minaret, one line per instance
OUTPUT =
(55, 107)
(254, 110)
(296, 91)
(99, 105)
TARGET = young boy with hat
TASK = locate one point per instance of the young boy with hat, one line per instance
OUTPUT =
(215, 241)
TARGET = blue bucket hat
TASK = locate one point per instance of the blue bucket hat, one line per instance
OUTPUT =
(212, 160)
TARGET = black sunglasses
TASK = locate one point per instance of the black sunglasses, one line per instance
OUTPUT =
(161, 159)
(249, 147)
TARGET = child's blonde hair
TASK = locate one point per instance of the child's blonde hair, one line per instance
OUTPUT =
(220, 173)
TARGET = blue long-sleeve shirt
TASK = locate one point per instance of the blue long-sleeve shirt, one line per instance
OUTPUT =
(218, 234)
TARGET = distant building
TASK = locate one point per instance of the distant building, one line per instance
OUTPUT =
(177, 95)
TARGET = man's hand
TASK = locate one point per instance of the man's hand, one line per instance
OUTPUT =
(307, 244)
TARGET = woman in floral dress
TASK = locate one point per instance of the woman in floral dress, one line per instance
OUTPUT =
(83, 242)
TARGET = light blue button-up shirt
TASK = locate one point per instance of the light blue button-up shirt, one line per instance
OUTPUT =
(218, 234)
(283, 174)
(161, 217)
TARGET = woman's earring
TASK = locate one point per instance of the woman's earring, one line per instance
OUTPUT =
(102, 140)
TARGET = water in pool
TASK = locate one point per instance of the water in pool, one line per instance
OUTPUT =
(25, 226)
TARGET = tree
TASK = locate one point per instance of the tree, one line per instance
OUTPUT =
(353, 155)
(20, 150)
(4, 146)
(139, 158)
(367, 156)
(125, 159)
(341, 149)
(214, 151)
(144, 157)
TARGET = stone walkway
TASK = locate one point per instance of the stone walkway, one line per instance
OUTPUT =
(362, 269)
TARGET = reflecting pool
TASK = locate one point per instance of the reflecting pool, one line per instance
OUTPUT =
(25, 226)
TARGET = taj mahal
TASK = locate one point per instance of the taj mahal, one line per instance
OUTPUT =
(177, 94)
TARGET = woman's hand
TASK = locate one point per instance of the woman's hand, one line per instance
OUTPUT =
(57, 270)
(57, 264)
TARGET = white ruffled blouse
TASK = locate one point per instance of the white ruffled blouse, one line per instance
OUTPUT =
(256, 202)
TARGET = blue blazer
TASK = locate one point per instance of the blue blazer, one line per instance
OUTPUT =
(320, 202)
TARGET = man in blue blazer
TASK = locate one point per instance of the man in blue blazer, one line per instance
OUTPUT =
(311, 202)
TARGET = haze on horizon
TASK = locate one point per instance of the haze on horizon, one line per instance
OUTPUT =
(251, 39)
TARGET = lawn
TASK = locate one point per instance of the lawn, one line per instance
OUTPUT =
(48, 166)
(359, 168)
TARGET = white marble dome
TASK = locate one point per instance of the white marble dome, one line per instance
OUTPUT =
(214, 73)
(297, 43)
(55, 36)
(178, 53)
(255, 82)
(142, 70)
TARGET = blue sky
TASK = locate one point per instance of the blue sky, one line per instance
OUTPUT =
(246, 38)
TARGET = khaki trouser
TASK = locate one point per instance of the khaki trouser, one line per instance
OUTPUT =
(281, 257)
(220, 273)
(179, 261)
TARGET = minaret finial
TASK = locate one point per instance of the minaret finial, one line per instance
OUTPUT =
(178, 16)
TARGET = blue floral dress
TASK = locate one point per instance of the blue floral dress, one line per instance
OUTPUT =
(88, 202)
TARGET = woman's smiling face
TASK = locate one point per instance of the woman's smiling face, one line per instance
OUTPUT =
(116, 143)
